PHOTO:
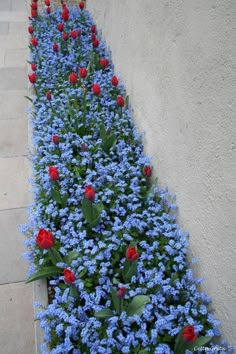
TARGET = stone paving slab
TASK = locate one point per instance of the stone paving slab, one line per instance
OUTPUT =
(14, 268)
(13, 104)
(4, 28)
(5, 5)
(18, 27)
(13, 137)
(21, 5)
(13, 79)
(16, 320)
(9, 16)
(14, 187)
(16, 58)
(13, 41)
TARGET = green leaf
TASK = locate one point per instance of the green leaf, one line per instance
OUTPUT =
(83, 272)
(137, 304)
(71, 256)
(56, 195)
(28, 98)
(199, 342)
(46, 272)
(116, 301)
(91, 212)
(74, 292)
(127, 101)
(130, 269)
(106, 313)
(54, 256)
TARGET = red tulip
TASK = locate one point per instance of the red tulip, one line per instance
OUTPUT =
(89, 193)
(147, 171)
(93, 36)
(55, 139)
(121, 292)
(34, 6)
(103, 62)
(32, 78)
(73, 78)
(60, 27)
(34, 41)
(73, 34)
(33, 66)
(114, 81)
(47, 2)
(65, 36)
(34, 13)
(131, 253)
(96, 89)
(81, 5)
(95, 43)
(93, 29)
(55, 47)
(189, 335)
(65, 15)
(79, 32)
(69, 276)
(48, 96)
(83, 73)
(30, 29)
(48, 10)
(53, 173)
(120, 101)
(45, 239)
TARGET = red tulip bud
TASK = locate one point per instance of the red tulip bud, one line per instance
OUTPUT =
(55, 139)
(33, 66)
(55, 47)
(93, 29)
(131, 253)
(95, 43)
(32, 78)
(65, 36)
(114, 81)
(53, 173)
(81, 5)
(147, 171)
(30, 29)
(189, 335)
(48, 10)
(103, 62)
(83, 72)
(73, 78)
(73, 34)
(34, 42)
(34, 13)
(121, 292)
(96, 89)
(60, 27)
(69, 276)
(48, 96)
(120, 101)
(89, 193)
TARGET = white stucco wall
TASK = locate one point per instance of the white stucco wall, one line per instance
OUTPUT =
(175, 58)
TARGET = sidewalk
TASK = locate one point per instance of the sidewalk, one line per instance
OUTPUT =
(17, 318)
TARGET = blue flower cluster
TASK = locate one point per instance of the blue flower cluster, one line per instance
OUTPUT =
(134, 214)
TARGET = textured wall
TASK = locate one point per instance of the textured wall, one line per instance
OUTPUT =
(176, 61)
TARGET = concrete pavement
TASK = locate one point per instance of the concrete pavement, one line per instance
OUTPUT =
(17, 315)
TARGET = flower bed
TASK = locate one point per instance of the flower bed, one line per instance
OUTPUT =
(102, 232)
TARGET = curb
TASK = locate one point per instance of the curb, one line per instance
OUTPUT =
(40, 294)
